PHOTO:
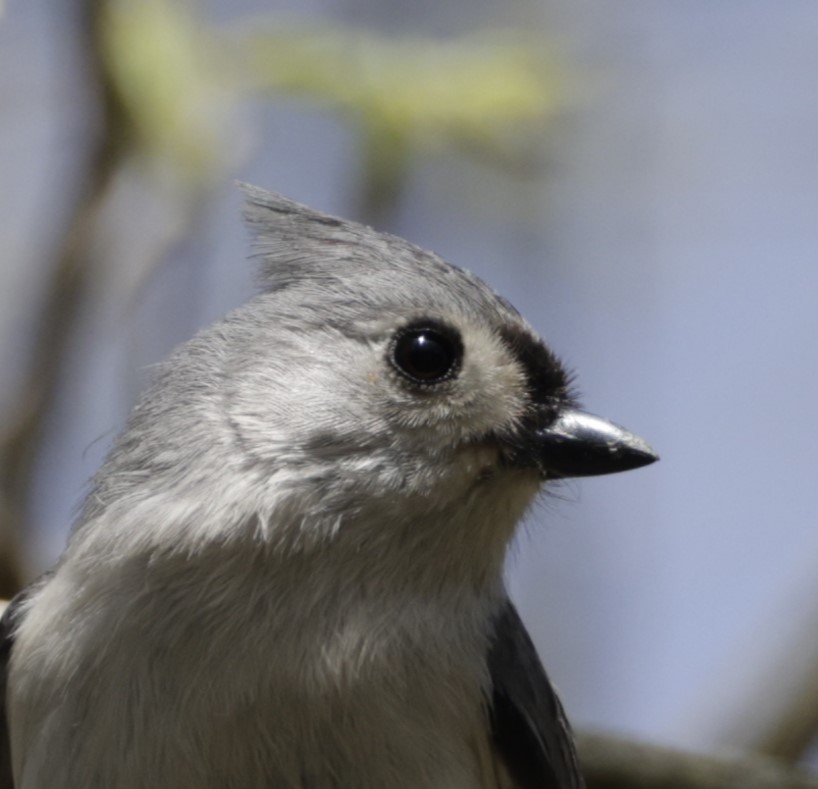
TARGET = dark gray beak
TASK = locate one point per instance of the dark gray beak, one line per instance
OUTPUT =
(578, 444)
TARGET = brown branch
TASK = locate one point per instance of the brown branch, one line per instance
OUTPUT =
(615, 763)
(795, 728)
(774, 709)
(66, 290)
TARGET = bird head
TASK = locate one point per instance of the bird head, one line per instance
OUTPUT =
(388, 377)
(369, 382)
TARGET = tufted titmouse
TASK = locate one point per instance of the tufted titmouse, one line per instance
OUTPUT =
(288, 572)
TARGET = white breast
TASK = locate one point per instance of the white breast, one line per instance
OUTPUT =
(196, 676)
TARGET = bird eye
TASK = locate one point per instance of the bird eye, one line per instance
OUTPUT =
(427, 354)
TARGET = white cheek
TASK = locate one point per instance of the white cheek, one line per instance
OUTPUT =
(494, 392)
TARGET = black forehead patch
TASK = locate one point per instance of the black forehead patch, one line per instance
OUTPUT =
(547, 378)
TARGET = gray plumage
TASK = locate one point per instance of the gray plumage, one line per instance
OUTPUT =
(288, 572)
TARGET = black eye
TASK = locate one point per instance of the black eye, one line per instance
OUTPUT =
(427, 354)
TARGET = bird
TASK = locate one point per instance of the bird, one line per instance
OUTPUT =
(288, 572)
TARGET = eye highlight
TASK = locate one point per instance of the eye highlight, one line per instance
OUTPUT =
(427, 354)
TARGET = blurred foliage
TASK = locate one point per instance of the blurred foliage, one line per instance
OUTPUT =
(484, 95)
(475, 88)
(180, 81)
(171, 80)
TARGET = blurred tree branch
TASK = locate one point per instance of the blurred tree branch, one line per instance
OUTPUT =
(615, 763)
(139, 74)
(66, 288)
(178, 83)
(793, 727)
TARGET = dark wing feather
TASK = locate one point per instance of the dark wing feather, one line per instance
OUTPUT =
(528, 724)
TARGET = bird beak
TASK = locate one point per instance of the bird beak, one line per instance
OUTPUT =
(578, 444)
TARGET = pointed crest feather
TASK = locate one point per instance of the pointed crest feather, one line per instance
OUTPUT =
(326, 259)
(295, 242)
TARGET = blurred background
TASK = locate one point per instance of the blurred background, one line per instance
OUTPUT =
(640, 179)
